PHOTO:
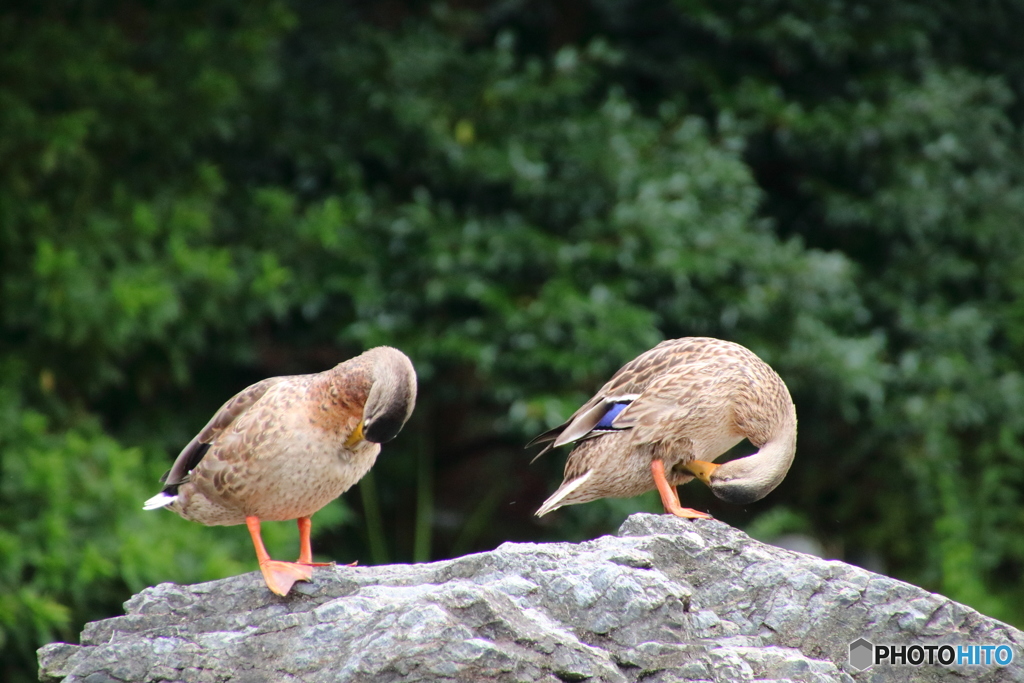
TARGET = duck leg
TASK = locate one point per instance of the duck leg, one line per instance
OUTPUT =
(279, 575)
(669, 495)
(305, 548)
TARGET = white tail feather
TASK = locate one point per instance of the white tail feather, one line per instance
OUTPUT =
(160, 500)
(555, 501)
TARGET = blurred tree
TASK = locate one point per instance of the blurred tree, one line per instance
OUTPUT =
(194, 196)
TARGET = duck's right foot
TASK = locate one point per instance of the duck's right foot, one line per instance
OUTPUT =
(280, 576)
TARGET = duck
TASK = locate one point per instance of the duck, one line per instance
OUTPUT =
(665, 417)
(285, 447)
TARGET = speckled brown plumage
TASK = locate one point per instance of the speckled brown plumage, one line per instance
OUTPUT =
(687, 400)
(283, 448)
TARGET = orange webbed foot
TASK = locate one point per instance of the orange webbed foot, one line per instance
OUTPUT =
(280, 576)
(669, 495)
(688, 513)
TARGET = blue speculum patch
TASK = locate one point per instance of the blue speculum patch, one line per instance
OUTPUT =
(606, 421)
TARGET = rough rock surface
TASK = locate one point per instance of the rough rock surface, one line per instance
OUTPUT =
(666, 600)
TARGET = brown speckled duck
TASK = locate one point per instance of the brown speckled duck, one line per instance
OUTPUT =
(664, 418)
(285, 447)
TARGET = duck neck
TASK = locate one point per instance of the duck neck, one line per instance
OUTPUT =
(751, 478)
(392, 394)
(773, 460)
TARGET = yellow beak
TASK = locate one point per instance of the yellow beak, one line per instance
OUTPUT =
(702, 470)
(356, 436)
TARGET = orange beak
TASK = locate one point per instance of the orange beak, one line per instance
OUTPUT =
(702, 470)
(356, 436)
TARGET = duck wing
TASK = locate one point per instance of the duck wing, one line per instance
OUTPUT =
(604, 411)
(236, 406)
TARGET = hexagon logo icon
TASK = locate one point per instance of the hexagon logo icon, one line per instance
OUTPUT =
(861, 654)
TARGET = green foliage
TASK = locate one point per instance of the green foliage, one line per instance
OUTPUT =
(197, 196)
(885, 134)
(73, 542)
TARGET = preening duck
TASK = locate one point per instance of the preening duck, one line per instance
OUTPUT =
(284, 447)
(664, 418)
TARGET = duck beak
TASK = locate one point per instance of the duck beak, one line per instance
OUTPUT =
(356, 436)
(702, 470)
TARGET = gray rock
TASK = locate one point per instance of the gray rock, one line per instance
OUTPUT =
(667, 600)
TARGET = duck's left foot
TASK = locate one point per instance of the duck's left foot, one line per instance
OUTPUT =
(326, 564)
